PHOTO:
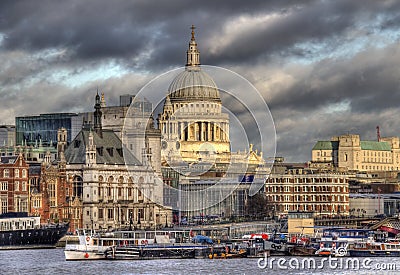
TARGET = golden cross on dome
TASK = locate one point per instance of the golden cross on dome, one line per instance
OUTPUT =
(192, 27)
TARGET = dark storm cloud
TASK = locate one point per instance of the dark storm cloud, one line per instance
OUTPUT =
(120, 29)
(324, 20)
(369, 81)
(95, 29)
(152, 36)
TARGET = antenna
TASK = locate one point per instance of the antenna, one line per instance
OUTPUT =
(378, 133)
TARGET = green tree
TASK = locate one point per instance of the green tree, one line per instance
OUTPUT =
(257, 206)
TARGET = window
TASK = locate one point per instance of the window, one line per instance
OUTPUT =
(110, 213)
(6, 173)
(16, 173)
(24, 186)
(4, 186)
(16, 186)
(24, 173)
(52, 193)
(4, 206)
(77, 143)
(101, 213)
(24, 206)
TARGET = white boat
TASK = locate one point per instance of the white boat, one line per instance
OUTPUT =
(124, 244)
(89, 248)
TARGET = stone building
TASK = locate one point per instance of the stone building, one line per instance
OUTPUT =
(13, 184)
(113, 192)
(349, 152)
(91, 184)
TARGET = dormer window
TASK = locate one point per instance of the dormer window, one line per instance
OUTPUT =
(100, 151)
(110, 151)
(77, 143)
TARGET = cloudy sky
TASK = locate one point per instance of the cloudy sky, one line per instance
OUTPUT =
(323, 67)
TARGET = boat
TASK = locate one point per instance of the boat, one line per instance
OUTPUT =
(332, 248)
(89, 248)
(20, 231)
(132, 245)
(301, 246)
(157, 251)
(346, 234)
(375, 249)
(227, 252)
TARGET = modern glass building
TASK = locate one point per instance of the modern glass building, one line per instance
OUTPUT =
(7, 135)
(31, 130)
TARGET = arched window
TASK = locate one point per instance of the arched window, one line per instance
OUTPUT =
(77, 187)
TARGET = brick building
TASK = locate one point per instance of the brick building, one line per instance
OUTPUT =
(13, 184)
(304, 190)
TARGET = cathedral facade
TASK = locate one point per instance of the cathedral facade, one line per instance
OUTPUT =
(192, 124)
(202, 175)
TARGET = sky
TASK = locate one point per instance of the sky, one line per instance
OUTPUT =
(324, 68)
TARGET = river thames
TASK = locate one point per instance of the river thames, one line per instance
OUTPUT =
(52, 261)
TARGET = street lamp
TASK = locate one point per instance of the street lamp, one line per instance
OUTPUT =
(130, 220)
(273, 212)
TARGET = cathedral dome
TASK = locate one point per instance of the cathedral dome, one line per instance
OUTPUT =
(193, 84)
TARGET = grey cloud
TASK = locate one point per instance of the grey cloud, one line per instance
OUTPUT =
(151, 36)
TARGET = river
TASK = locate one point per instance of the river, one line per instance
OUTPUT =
(52, 261)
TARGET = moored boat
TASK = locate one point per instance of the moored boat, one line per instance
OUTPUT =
(132, 245)
(89, 248)
(332, 248)
(20, 231)
(227, 252)
(375, 249)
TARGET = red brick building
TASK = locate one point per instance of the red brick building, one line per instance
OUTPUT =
(14, 189)
(54, 191)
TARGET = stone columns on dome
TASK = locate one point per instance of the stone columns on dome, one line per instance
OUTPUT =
(196, 131)
(202, 131)
(182, 131)
(209, 134)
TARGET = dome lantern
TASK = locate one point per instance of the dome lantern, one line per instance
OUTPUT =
(192, 54)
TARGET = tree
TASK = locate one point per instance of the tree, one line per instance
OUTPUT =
(257, 206)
